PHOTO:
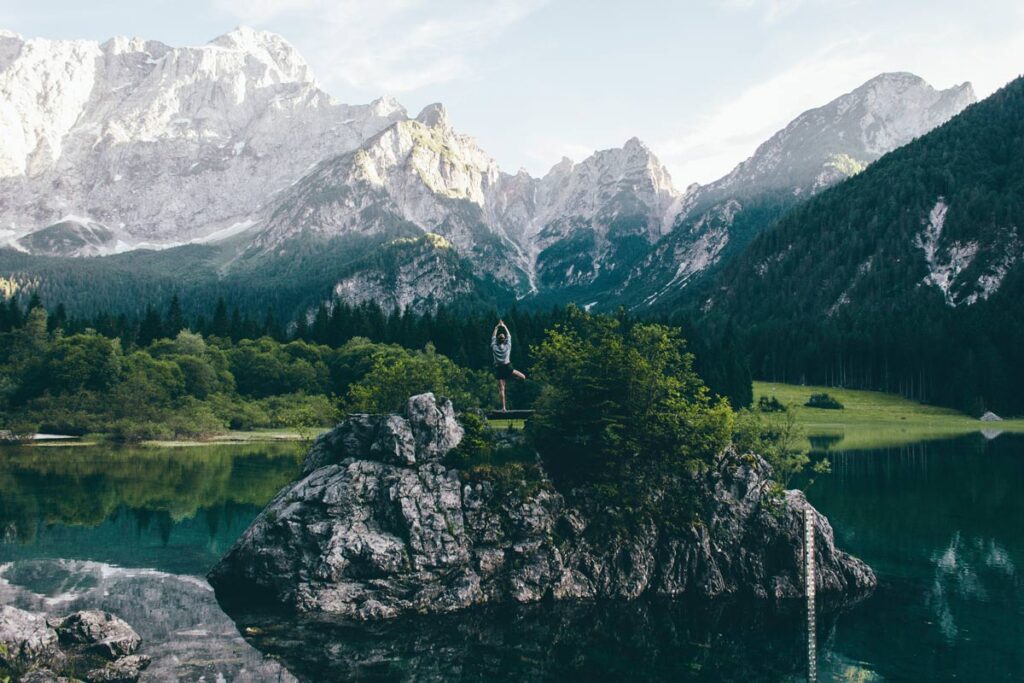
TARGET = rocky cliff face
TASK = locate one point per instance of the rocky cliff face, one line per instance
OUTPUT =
(378, 526)
(158, 144)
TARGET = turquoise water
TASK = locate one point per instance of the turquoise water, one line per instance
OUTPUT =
(135, 531)
(943, 526)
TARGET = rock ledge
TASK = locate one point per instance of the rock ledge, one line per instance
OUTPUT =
(377, 526)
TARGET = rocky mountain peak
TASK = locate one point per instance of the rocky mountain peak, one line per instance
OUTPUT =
(268, 48)
(434, 116)
(831, 142)
(387, 107)
(139, 134)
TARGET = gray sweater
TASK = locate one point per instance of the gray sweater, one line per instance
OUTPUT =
(502, 352)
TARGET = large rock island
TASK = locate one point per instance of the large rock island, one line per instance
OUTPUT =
(378, 526)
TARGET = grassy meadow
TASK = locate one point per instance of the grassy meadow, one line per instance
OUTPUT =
(872, 419)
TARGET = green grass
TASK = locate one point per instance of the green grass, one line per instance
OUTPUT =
(872, 419)
(507, 424)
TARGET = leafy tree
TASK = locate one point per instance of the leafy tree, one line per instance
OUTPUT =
(83, 361)
(777, 438)
(624, 414)
(392, 380)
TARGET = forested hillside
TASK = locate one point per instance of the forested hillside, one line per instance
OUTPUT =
(906, 277)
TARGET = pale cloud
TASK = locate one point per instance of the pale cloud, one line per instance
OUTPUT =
(391, 46)
(260, 11)
(771, 10)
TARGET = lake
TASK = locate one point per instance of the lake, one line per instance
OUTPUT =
(134, 531)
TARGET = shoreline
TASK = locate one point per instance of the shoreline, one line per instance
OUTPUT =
(225, 439)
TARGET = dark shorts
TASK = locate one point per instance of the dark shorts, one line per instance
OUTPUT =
(503, 371)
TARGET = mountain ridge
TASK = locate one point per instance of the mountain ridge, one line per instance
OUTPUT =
(234, 144)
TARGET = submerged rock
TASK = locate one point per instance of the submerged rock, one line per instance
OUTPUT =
(92, 645)
(99, 632)
(26, 640)
(377, 527)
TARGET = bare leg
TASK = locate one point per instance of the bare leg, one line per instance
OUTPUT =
(501, 390)
(518, 375)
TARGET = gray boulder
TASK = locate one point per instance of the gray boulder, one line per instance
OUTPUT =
(93, 646)
(43, 676)
(26, 640)
(424, 432)
(124, 670)
(368, 535)
(98, 632)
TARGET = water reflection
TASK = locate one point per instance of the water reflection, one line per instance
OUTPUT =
(942, 524)
(182, 627)
(649, 640)
(172, 509)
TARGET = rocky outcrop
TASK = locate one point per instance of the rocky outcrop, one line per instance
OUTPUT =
(378, 526)
(92, 646)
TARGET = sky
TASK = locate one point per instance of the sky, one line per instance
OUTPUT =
(701, 82)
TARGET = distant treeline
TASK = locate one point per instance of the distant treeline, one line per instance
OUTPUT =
(457, 334)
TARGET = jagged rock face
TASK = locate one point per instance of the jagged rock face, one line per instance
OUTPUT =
(162, 144)
(378, 526)
(417, 174)
(95, 646)
(418, 275)
(99, 632)
(588, 213)
(26, 638)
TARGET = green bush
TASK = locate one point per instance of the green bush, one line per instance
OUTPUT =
(823, 401)
(133, 432)
(778, 439)
(477, 445)
(394, 378)
(624, 415)
(770, 404)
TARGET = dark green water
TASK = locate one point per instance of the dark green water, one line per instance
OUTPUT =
(134, 532)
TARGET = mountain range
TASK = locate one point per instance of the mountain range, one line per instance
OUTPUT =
(241, 170)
